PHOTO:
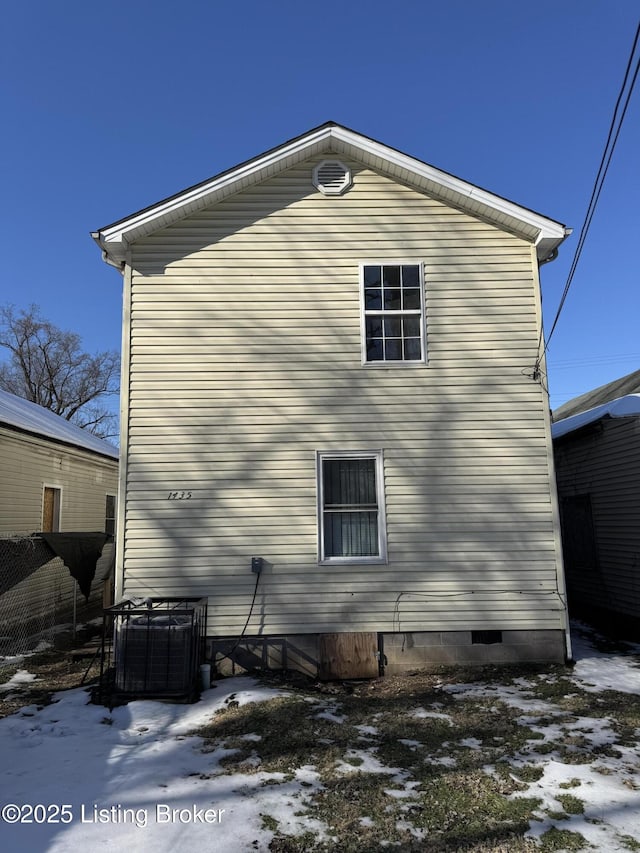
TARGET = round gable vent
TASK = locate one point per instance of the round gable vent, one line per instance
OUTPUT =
(331, 177)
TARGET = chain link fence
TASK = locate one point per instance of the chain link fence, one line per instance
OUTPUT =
(39, 600)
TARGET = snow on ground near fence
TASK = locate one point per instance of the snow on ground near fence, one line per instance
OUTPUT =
(134, 779)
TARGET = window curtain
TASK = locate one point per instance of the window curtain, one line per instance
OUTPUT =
(350, 508)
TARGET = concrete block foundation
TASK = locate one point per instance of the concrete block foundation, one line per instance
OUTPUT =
(397, 652)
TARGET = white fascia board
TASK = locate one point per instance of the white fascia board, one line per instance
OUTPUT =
(548, 229)
(114, 239)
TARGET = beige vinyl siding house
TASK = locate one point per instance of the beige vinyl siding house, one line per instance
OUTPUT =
(40, 451)
(55, 478)
(32, 464)
(280, 339)
(597, 456)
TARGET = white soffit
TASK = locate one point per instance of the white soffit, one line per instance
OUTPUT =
(546, 234)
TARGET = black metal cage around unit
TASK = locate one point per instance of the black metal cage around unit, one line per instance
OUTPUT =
(153, 648)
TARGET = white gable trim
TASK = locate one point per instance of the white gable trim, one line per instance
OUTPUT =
(544, 233)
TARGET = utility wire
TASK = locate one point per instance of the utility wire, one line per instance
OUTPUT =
(612, 139)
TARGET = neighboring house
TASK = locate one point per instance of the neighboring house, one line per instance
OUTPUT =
(629, 384)
(327, 377)
(55, 478)
(597, 454)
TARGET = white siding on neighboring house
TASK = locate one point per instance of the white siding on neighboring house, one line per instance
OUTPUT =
(245, 360)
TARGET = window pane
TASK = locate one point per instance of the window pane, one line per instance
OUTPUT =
(411, 327)
(393, 327)
(412, 349)
(392, 299)
(411, 298)
(393, 350)
(374, 327)
(349, 482)
(351, 534)
(375, 351)
(410, 276)
(373, 299)
(372, 276)
(391, 276)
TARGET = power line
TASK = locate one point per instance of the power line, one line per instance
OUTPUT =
(612, 139)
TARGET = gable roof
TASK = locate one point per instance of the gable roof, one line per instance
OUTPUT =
(629, 384)
(622, 407)
(25, 416)
(546, 234)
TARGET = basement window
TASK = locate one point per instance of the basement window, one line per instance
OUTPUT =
(351, 517)
(485, 638)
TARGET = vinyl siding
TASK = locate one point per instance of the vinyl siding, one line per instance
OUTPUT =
(604, 463)
(244, 357)
(28, 463)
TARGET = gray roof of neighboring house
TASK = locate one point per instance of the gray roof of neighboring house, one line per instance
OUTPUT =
(629, 384)
(622, 407)
(29, 417)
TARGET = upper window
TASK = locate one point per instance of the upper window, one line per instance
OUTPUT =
(351, 507)
(393, 313)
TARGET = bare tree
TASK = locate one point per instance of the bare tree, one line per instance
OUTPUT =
(48, 366)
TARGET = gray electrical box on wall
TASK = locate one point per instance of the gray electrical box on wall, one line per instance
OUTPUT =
(256, 565)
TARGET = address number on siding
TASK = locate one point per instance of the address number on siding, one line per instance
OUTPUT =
(179, 496)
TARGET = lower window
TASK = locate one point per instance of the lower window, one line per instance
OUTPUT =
(351, 517)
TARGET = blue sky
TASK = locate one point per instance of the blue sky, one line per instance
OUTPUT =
(107, 108)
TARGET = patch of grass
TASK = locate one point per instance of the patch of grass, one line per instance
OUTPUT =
(562, 839)
(296, 844)
(470, 804)
(54, 670)
(528, 772)
(463, 804)
(8, 671)
(571, 804)
(629, 842)
(269, 822)
(544, 748)
(552, 689)
(290, 736)
(571, 783)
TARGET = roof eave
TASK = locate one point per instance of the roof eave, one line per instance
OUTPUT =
(546, 234)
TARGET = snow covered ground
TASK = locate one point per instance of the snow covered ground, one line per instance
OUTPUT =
(76, 777)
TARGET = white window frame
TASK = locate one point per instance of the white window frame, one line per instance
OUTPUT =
(364, 313)
(115, 512)
(378, 457)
